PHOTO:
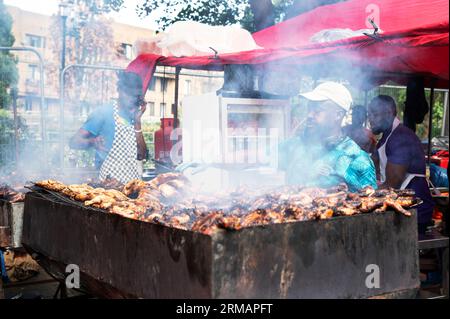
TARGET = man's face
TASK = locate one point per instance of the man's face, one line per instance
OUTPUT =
(323, 117)
(380, 118)
(130, 100)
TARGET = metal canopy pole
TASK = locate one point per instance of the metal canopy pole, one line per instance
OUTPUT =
(430, 119)
(41, 87)
(16, 124)
(445, 118)
(177, 86)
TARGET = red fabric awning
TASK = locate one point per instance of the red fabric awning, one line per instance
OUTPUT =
(415, 40)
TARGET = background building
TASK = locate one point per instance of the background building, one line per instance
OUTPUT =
(39, 32)
(34, 30)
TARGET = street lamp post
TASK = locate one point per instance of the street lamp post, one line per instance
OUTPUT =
(64, 13)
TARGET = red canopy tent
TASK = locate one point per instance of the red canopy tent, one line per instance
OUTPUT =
(415, 40)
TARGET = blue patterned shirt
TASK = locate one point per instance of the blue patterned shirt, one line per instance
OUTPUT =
(304, 164)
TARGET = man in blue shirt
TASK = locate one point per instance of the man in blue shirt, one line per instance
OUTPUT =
(322, 155)
(400, 157)
(114, 131)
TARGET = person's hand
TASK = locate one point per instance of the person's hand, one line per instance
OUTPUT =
(98, 143)
(139, 112)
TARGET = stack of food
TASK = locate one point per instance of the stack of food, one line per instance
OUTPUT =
(10, 194)
(170, 200)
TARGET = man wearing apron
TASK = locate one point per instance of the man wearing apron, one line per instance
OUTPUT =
(114, 131)
(400, 157)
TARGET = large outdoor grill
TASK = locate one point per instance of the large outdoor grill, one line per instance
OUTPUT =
(120, 257)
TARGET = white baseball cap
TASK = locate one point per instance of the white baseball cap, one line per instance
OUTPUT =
(332, 91)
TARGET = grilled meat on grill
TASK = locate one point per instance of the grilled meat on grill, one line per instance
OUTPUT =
(108, 183)
(11, 195)
(169, 200)
(134, 187)
(51, 185)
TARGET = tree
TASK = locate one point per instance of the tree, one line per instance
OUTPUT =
(213, 12)
(8, 68)
(8, 138)
(253, 15)
(89, 40)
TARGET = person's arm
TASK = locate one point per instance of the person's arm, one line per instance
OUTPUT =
(89, 135)
(141, 146)
(376, 160)
(398, 152)
(84, 139)
(395, 175)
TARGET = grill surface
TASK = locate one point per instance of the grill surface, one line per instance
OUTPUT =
(120, 257)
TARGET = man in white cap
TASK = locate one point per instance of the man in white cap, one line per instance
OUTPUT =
(322, 155)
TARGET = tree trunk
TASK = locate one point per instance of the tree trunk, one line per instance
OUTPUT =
(299, 6)
(263, 12)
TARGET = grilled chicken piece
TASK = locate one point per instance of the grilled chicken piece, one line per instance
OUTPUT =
(117, 195)
(346, 211)
(230, 222)
(381, 209)
(405, 192)
(10, 194)
(389, 193)
(208, 224)
(407, 202)
(152, 205)
(397, 207)
(149, 194)
(84, 196)
(295, 211)
(300, 199)
(370, 204)
(134, 186)
(112, 183)
(181, 219)
(51, 185)
(154, 217)
(253, 219)
(325, 213)
(274, 216)
(123, 211)
(260, 203)
(164, 178)
(366, 191)
(101, 201)
(314, 192)
(15, 198)
(338, 189)
(168, 191)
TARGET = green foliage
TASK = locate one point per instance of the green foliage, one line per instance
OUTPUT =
(438, 113)
(221, 12)
(148, 130)
(89, 40)
(8, 69)
(7, 136)
(96, 7)
(213, 12)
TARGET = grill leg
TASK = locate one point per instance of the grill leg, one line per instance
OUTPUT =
(61, 290)
(445, 272)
